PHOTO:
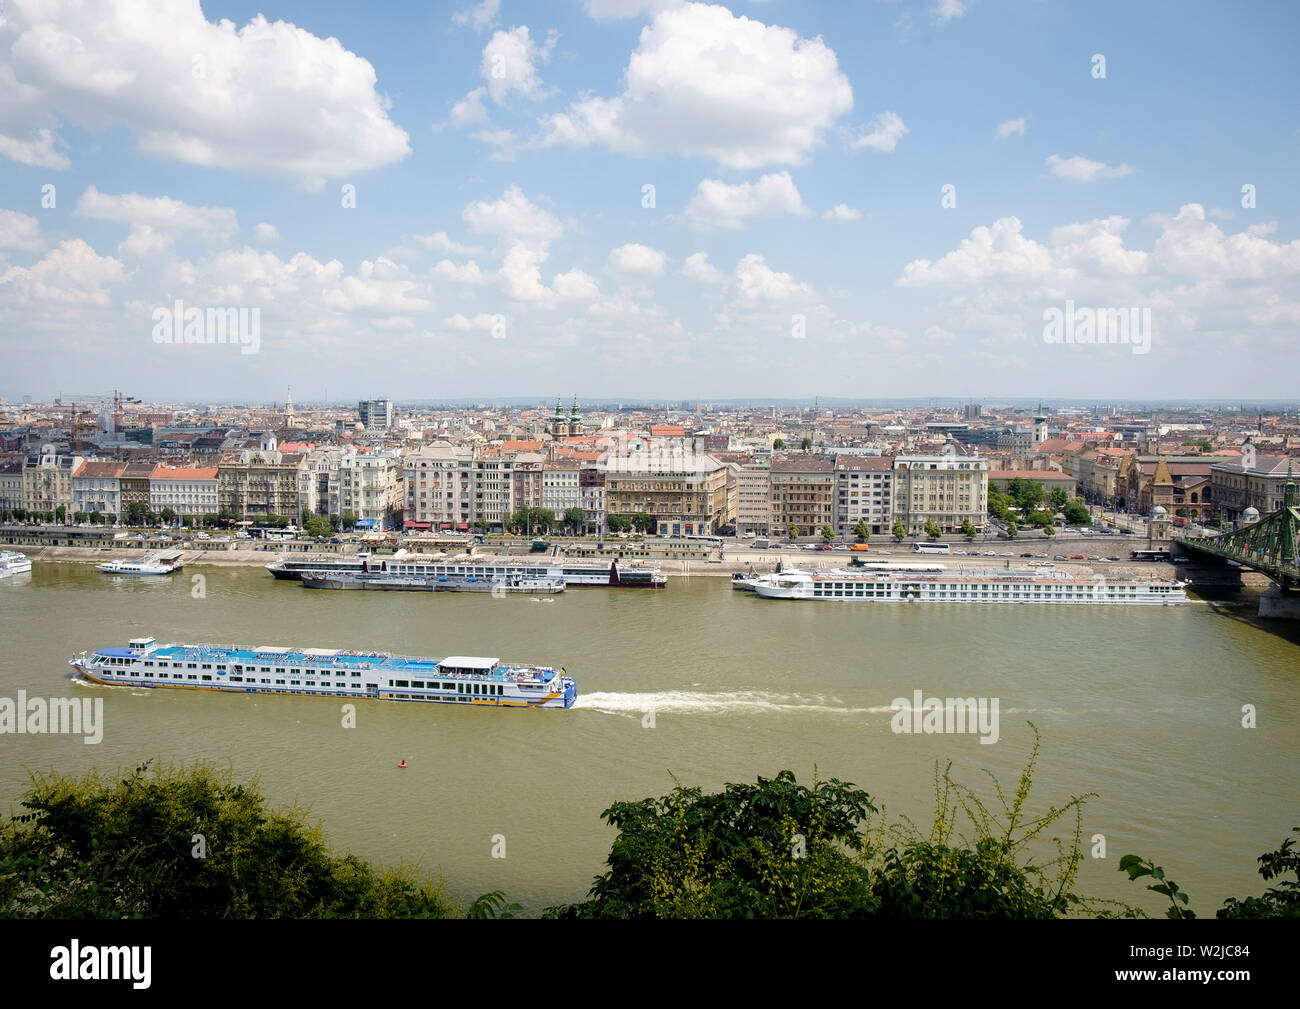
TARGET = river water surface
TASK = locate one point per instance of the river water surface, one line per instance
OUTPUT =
(1142, 705)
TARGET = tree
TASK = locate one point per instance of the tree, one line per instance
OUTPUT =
(1013, 530)
(618, 523)
(61, 512)
(862, 531)
(167, 515)
(766, 850)
(318, 527)
(643, 522)
(792, 531)
(1049, 530)
(968, 529)
(1057, 498)
(1025, 494)
(933, 530)
(898, 531)
(574, 519)
(806, 444)
(79, 517)
(1077, 513)
(778, 445)
(348, 521)
(113, 847)
(828, 533)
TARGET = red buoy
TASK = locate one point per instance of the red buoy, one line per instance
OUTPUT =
(401, 763)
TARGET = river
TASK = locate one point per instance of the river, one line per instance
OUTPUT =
(1142, 705)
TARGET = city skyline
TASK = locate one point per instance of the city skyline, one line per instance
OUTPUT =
(427, 200)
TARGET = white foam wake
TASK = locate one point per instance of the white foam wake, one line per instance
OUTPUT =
(704, 702)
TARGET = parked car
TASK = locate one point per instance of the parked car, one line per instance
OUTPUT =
(1078, 557)
(1060, 557)
(1026, 555)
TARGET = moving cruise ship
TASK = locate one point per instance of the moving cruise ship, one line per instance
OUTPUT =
(329, 672)
(405, 565)
(969, 587)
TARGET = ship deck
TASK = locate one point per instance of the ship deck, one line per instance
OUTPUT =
(456, 666)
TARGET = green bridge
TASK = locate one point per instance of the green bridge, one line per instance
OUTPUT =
(1267, 546)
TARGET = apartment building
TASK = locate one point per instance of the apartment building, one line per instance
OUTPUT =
(96, 487)
(802, 494)
(864, 492)
(685, 491)
(185, 490)
(943, 489)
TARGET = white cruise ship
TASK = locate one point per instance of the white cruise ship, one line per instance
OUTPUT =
(329, 672)
(158, 564)
(462, 569)
(969, 587)
(13, 563)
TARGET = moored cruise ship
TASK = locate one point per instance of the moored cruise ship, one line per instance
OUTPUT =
(387, 581)
(404, 565)
(329, 672)
(969, 587)
(157, 564)
(14, 563)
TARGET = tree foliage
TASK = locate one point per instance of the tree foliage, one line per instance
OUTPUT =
(777, 849)
(104, 848)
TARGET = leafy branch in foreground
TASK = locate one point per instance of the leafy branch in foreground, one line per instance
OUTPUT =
(1137, 867)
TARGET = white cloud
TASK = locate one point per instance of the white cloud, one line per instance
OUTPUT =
(72, 274)
(1097, 247)
(478, 16)
(757, 281)
(638, 259)
(842, 212)
(37, 150)
(718, 205)
(575, 286)
(937, 334)
(999, 251)
(705, 83)
(19, 231)
(947, 10)
(266, 233)
(1083, 170)
(884, 133)
(698, 268)
(512, 216)
(509, 64)
(467, 274)
(144, 241)
(1192, 246)
(1011, 126)
(616, 10)
(469, 111)
(265, 98)
(161, 213)
(482, 321)
(439, 242)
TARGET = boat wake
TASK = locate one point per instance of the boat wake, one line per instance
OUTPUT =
(693, 702)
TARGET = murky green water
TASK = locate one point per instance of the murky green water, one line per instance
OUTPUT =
(1142, 705)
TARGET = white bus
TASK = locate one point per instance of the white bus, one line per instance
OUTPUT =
(931, 548)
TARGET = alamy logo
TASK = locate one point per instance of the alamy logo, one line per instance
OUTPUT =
(1099, 326)
(75, 962)
(946, 715)
(58, 715)
(178, 324)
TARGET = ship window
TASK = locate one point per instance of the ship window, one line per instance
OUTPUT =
(281, 682)
(191, 676)
(295, 683)
(207, 676)
(207, 665)
(148, 663)
(236, 679)
(447, 686)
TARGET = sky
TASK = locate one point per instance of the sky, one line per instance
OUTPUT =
(651, 200)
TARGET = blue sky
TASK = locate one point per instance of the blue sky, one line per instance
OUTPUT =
(798, 245)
